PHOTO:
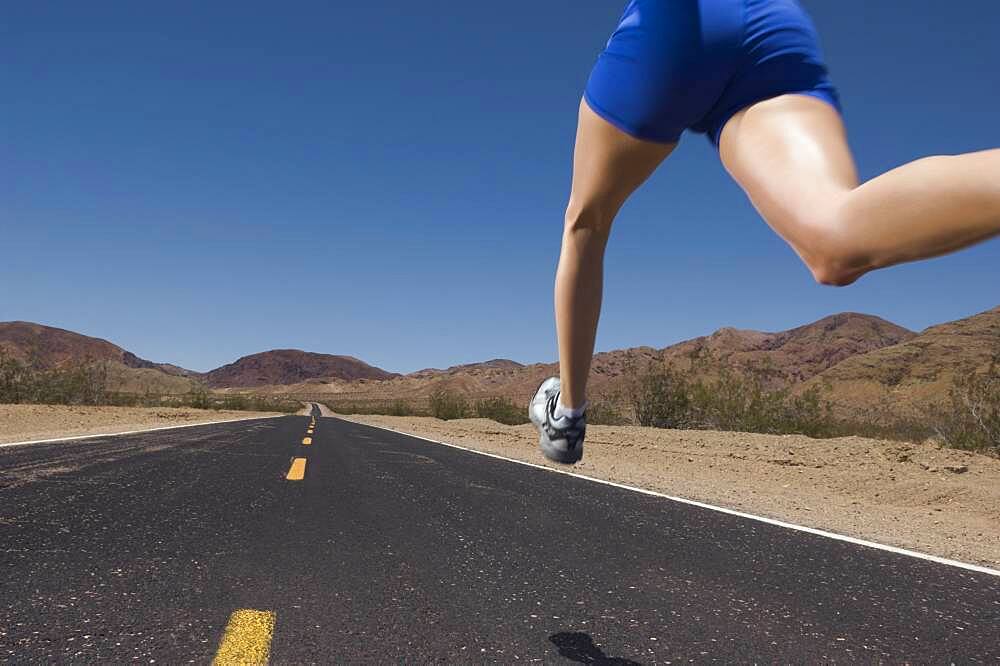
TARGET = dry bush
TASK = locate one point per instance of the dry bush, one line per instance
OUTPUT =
(734, 400)
(447, 405)
(970, 419)
(502, 410)
(82, 383)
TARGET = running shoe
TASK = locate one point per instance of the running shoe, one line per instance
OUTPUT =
(560, 438)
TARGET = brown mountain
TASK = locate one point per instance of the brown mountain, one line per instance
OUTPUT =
(906, 378)
(47, 347)
(866, 363)
(793, 356)
(797, 354)
(484, 366)
(290, 366)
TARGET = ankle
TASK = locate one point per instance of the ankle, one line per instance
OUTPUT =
(572, 412)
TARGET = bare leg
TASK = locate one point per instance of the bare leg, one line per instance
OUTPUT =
(790, 155)
(608, 165)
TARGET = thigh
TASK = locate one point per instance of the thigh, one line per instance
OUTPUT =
(790, 155)
(608, 164)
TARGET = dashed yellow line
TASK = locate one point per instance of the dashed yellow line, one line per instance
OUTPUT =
(307, 440)
(247, 639)
(297, 471)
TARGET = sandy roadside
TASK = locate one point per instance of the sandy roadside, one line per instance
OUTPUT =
(915, 496)
(20, 423)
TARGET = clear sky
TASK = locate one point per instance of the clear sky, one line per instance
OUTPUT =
(199, 181)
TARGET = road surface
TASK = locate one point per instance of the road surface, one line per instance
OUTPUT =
(146, 547)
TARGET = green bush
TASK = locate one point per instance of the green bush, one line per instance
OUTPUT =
(446, 405)
(502, 410)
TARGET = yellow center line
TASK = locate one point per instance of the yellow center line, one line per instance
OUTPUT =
(307, 440)
(247, 639)
(297, 471)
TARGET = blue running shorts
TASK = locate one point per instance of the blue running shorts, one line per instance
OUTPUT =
(674, 65)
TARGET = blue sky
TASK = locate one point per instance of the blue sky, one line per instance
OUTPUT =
(199, 181)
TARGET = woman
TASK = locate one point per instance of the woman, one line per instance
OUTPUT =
(750, 75)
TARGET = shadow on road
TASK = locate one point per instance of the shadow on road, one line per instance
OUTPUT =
(579, 647)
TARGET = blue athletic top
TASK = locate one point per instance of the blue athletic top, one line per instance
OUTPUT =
(673, 65)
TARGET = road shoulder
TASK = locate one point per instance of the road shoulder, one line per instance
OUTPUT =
(22, 423)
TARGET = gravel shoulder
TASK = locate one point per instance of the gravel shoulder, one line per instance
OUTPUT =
(916, 496)
(21, 423)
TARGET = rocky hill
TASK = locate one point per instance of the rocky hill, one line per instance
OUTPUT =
(906, 378)
(797, 354)
(47, 347)
(793, 356)
(865, 364)
(290, 366)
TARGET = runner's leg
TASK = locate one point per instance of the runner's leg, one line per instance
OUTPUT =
(608, 165)
(790, 155)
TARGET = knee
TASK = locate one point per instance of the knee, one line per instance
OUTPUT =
(589, 217)
(832, 274)
(831, 255)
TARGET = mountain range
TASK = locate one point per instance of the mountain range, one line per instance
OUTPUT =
(861, 361)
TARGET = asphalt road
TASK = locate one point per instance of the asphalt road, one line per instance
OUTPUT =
(395, 549)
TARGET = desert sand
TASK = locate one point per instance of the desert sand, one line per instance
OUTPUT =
(20, 423)
(916, 496)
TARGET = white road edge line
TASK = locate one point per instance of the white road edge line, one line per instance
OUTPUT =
(712, 507)
(136, 432)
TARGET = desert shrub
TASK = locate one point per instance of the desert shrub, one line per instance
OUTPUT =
(606, 412)
(741, 401)
(83, 383)
(970, 418)
(895, 429)
(77, 384)
(447, 405)
(263, 403)
(806, 414)
(502, 410)
(343, 407)
(660, 398)
(198, 397)
(399, 408)
(16, 380)
(86, 383)
(734, 400)
(235, 402)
